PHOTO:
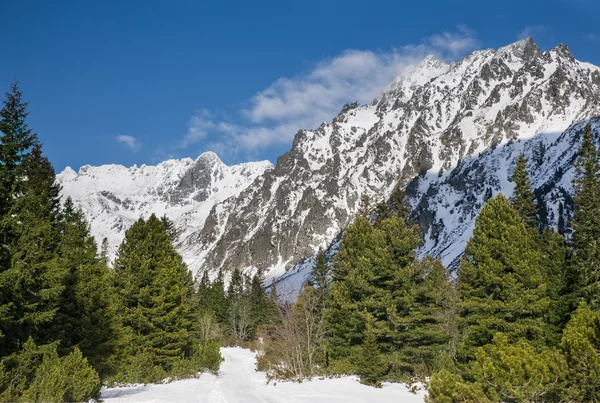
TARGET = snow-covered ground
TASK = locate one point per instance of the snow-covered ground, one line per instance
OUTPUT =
(238, 382)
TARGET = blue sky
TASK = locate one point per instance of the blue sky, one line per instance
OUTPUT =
(134, 82)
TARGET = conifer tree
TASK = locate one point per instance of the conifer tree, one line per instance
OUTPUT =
(16, 141)
(586, 222)
(425, 325)
(260, 306)
(32, 281)
(218, 301)
(500, 284)
(370, 365)
(170, 228)
(523, 199)
(87, 314)
(155, 289)
(104, 259)
(321, 275)
(554, 264)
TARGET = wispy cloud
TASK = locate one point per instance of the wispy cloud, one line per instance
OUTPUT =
(274, 115)
(532, 31)
(592, 37)
(130, 142)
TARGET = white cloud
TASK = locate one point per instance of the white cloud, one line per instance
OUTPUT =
(131, 142)
(592, 37)
(275, 114)
(532, 31)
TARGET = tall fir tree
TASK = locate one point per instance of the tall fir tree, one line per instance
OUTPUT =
(218, 301)
(320, 275)
(424, 321)
(33, 280)
(500, 283)
(16, 141)
(523, 199)
(104, 259)
(155, 290)
(586, 222)
(87, 314)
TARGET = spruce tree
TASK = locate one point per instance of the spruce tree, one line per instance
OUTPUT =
(87, 314)
(500, 284)
(523, 199)
(218, 301)
(321, 275)
(104, 259)
(425, 325)
(370, 365)
(586, 222)
(154, 289)
(16, 141)
(32, 282)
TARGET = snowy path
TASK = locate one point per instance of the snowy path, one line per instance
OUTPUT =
(238, 382)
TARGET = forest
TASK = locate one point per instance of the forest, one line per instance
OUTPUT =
(519, 320)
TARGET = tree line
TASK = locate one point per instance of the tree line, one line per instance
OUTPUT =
(519, 323)
(68, 322)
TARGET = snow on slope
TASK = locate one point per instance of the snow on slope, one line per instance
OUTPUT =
(450, 132)
(238, 382)
(114, 196)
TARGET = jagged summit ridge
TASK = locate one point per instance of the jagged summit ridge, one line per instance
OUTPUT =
(448, 132)
(432, 119)
(114, 196)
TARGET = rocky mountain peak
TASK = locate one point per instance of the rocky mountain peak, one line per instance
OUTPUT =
(447, 133)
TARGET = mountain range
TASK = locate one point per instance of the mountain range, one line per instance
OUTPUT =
(448, 133)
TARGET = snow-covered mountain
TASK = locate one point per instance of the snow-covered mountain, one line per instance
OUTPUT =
(449, 133)
(114, 196)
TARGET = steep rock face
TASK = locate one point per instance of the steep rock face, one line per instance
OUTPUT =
(113, 196)
(450, 132)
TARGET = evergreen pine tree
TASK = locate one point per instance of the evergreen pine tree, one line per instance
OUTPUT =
(370, 366)
(155, 289)
(321, 275)
(523, 199)
(218, 301)
(500, 284)
(586, 222)
(260, 306)
(16, 141)
(104, 259)
(425, 325)
(87, 315)
(32, 281)
(170, 228)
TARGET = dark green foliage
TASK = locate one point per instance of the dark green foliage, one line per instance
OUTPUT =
(155, 291)
(169, 225)
(261, 309)
(37, 373)
(554, 254)
(87, 315)
(218, 301)
(519, 372)
(500, 283)
(523, 199)
(104, 259)
(503, 372)
(370, 366)
(31, 281)
(581, 348)
(425, 324)
(321, 275)
(410, 303)
(16, 141)
(586, 222)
